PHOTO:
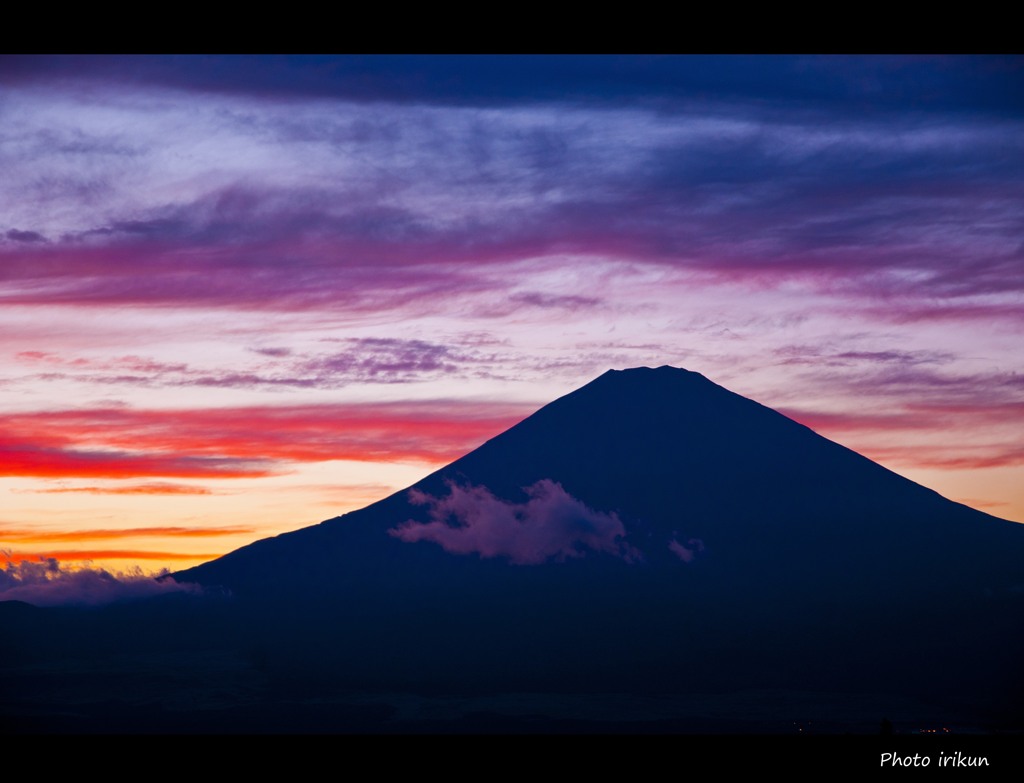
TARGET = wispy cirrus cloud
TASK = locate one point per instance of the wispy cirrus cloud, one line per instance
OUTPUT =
(834, 356)
(285, 278)
(955, 456)
(402, 204)
(134, 264)
(910, 417)
(945, 310)
(925, 381)
(926, 386)
(826, 421)
(392, 360)
(356, 360)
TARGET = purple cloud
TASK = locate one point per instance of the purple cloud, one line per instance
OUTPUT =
(48, 583)
(926, 385)
(819, 355)
(364, 360)
(551, 524)
(686, 553)
(24, 236)
(537, 299)
(272, 351)
(388, 359)
(405, 204)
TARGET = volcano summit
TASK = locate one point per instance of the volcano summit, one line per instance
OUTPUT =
(651, 535)
(651, 530)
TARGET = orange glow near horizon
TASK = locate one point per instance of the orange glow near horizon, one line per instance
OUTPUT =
(298, 450)
(99, 557)
(34, 535)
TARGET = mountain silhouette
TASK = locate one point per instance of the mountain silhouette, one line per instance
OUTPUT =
(650, 540)
(651, 530)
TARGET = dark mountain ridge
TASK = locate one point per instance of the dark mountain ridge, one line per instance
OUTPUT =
(650, 534)
(676, 457)
(752, 551)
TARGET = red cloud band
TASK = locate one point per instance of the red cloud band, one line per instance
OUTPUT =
(27, 534)
(78, 555)
(241, 442)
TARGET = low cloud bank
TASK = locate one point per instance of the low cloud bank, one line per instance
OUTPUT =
(48, 583)
(550, 524)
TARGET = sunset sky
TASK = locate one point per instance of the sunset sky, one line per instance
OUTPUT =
(241, 295)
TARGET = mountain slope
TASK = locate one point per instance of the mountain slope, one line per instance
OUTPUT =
(650, 530)
(677, 457)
